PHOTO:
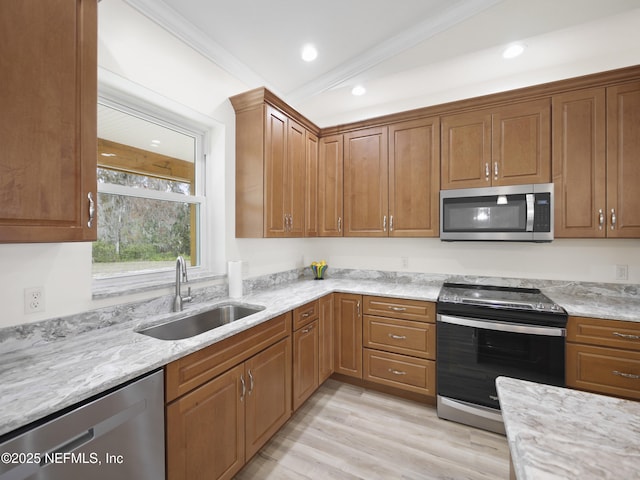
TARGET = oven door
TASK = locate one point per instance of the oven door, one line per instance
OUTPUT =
(472, 352)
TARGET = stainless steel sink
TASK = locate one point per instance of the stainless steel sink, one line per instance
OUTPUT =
(201, 322)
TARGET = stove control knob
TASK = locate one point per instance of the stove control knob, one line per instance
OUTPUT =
(539, 306)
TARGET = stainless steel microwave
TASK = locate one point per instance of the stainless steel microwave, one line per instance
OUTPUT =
(519, 213)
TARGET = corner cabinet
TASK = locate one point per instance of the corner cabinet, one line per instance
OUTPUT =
(509, 145)
(48, 93)
(274, 189)
(596, 138)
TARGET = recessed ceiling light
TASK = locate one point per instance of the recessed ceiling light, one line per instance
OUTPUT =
(513, 50)
(309, 53)
(358, 90)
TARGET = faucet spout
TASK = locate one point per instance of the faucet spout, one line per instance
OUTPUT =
(181, 274)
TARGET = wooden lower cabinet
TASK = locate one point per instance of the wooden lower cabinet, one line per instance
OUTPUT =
(219, 425)
(305, 363)
(400, 344)
(348, 334)
(325, 338)
(603, 356)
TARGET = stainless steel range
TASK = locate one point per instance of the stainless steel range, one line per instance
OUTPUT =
(486, 331)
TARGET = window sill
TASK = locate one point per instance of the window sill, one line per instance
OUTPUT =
(132, 284)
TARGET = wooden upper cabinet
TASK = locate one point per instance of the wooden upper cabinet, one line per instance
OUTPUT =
(311, 197)
(623, 162)
(579, 163)
(48, 93)
(274, 148)
(414, 178)
(521, 143)
(466, 150)
(330, 186)
(366, 183)
(596, 140)
(509, 145)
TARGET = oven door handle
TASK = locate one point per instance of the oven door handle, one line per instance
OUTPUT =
(503, 327)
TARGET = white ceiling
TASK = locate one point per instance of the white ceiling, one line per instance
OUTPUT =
(407, 53)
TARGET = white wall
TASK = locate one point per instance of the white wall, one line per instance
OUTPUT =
(144, 55)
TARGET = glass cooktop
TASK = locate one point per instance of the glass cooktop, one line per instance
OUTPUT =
(509, 298)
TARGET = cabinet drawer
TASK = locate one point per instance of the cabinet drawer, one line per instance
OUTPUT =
(194, 370)
(606, 333)
(399, 371)
(400, 336)
(305, 314)
(603, 370)
(400, 308)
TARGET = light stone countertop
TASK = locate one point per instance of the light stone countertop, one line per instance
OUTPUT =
(556, 433)
(45, 378)
(56, 367)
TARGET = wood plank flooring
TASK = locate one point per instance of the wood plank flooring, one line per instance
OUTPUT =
(347, 432)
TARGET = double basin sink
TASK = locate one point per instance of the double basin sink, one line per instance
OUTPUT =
(200, 322)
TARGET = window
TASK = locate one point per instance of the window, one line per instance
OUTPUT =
(150, 198)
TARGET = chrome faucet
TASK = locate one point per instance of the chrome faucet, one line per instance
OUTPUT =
(181, 274)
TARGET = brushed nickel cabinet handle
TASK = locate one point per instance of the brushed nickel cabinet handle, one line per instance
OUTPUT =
(339, 224)
(308, 329)
(613, 219)
(495, 170)
(391, 223)
(626, 335)
(384, 223)
(486, 171)
(397, 372)
(251, 384)
(600, 219)
(92, 209)
(626, 375)
(398, 309)
(358, 307)
(397, 337)
(305, 314)
(244, 388)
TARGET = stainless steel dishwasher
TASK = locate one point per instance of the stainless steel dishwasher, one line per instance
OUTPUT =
(119, 435)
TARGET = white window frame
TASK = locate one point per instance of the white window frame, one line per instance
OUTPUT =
(151, 107)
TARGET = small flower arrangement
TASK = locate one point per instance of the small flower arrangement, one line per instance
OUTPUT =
(318, 269)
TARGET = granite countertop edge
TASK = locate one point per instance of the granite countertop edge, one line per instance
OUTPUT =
(43, 379)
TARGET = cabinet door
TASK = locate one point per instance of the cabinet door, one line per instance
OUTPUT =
(348, 334)
(330, 186)
(325, 338)
(366, 184)
(623, 165)
(414, 178)
(311, 196)
(579, 163)
(276, 173)
(305, 363)
(521, 144)
(268, 398)
(205, 430)
(295, 179)
(466, 150)
(48, 93)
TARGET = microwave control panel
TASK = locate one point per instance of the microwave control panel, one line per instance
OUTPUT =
(542, 213)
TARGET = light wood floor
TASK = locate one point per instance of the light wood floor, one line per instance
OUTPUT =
(347, 432)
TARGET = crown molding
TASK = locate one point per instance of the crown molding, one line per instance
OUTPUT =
(167, 18)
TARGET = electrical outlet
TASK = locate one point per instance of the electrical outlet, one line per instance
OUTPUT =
(622, 272)
(34, 299)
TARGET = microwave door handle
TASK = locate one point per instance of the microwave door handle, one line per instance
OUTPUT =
(530, 212)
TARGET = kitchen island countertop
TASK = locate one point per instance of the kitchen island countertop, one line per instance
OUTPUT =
(556, 433)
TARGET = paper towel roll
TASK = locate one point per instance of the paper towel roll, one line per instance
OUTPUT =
(234, 276)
